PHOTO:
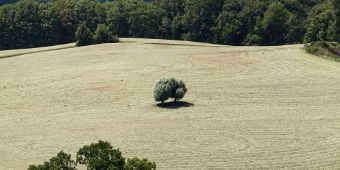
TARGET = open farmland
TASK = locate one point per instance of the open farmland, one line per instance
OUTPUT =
(252, 107)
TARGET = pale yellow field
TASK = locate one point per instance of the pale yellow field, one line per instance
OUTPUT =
(254, 107)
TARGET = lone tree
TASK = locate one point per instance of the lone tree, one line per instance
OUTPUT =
(169, 88)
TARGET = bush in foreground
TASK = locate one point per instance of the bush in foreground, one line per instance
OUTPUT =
(100, 155)
(139, 164)
(62, 161)
(96, 156)
(169, 88)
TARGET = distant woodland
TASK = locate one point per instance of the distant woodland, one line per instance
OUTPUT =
(29, 23)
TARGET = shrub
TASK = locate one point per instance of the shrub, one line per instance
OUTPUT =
(100, 155)
(103, 35)
(169, 88)
(84, 35)
(61, 161)
(161, 91)
(180, 90)
(324, 48)
(139, 164)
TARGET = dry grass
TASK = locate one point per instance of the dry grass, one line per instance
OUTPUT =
(249, 107)
(14, 53)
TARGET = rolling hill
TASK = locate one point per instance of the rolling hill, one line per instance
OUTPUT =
(249, 107)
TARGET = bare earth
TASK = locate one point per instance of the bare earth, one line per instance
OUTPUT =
(253, 107)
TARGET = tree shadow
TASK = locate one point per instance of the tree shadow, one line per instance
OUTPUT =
(175, 105)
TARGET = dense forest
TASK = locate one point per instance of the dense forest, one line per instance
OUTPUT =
(30, 23)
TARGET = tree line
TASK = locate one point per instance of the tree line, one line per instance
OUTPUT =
(29, 23)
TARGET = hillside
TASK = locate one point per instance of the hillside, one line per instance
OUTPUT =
(249, 107)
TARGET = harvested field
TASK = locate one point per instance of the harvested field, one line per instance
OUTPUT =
(247, 107)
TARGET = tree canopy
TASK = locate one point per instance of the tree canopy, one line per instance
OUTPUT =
(96, 156)
(33, 23)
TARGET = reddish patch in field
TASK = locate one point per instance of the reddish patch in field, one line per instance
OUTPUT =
(103, 87)
(223, 59)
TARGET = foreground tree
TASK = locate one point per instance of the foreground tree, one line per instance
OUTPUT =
(100, 155)
(139, 164)
(62, 161)
(96, 156)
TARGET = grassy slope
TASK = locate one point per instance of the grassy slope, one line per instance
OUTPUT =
(254, 107)
(14, 53)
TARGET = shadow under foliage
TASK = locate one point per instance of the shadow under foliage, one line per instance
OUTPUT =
(175, 105)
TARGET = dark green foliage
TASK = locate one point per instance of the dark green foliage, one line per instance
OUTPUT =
(99, 156)
(139, 164)
(275, 24)
(295, 30)
(176, 27)
(177, 89)
(103, 35)
(171, 12)
(144, 21)
(324, 48)
(96, 156)
(7, 2)
(322, 27)
(256, 37)
(169, 88)
(84, 35)
(62, 161)
(336, 4)
(229, 23)
(117, 18)
(86, 13)
(20, 25)
(65, 16)
(199, 17)
(31, 23)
